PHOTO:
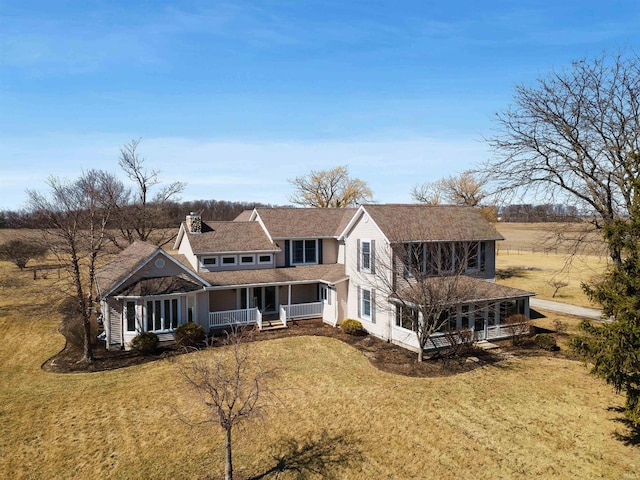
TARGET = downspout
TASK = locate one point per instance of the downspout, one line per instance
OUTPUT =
(122, 310)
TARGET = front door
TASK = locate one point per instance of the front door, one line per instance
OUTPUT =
(264, 298)
(478, 326)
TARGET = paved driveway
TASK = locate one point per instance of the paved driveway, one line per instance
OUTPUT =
(565, 308)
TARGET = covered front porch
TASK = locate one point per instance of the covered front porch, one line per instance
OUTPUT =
(267, 306)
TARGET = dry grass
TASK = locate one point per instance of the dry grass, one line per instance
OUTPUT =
(536, 260)
(536, 272)
(538, 416)
(550, 238)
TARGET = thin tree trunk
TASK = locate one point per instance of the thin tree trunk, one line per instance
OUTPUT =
(420, 354)
(228, 465)
(88, 349)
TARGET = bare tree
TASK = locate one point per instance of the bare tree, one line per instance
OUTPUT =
(573, 137)
(20, 251)
(468, 189)
(73, 219)
(144, 216)
(426, 283)
(464, 189)
(231, 386)
(332, 188)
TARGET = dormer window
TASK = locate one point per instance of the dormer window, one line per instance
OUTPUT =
(210, 262)
(265, 259)
(247, 259)
(230, 260)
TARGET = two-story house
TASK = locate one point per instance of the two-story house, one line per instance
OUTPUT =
(273, 265)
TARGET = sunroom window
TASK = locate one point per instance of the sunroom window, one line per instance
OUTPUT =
(162, 314)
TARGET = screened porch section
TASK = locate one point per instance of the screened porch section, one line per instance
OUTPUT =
(486, 320)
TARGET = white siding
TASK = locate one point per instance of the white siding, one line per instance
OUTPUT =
(186, 250)
(366, 230)
(113, 323)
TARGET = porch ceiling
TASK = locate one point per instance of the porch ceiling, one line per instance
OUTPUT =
(331, 273)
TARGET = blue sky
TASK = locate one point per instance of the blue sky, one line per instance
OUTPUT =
(235, 98)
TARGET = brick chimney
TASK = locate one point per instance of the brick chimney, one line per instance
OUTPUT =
(194, 223)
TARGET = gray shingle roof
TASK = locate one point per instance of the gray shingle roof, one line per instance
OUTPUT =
(305, 222)
(123, 264)
(230, 237)
(469, 289)
(330, 273)
(415, 222)
(159, 286)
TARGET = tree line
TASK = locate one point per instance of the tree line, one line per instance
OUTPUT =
(174, 212)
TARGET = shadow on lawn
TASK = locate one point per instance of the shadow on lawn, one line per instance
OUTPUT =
(632, 435)
(314, 455)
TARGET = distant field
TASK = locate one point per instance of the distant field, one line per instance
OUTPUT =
(527, 252)
(550, 238)
(526, 417)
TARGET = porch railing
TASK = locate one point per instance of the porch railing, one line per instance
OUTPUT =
(283, 315)
(235, 317)
(303, 310)
(500, 331)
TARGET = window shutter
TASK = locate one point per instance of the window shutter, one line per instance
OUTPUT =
(287, 254)
(358, 255)
(359, 303)
(373, 306)
(320, 242)
(372, 259)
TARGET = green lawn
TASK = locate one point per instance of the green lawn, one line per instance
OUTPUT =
(539, 416)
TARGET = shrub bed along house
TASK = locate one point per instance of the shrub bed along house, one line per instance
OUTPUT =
(190, 335)
(145, 343)
(352, 327)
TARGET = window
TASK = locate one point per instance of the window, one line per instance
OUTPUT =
(304, 251)
(414, 263)
(229, 260)
(162, 314)
(366, 303)
(210, 261)
(465, 316)
(473, 260)
(131, 316)
(265, 259)
(247, 259)
(483, 252)
(446, 257)
(406, 317)
(366, 255)
(443, 321)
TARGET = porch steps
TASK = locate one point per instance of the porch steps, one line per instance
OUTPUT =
(484, 345)
(272, 325)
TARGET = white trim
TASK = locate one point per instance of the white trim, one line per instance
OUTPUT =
(262, 262)
(208, 265)
(361, 254)
(355, 219)
(242, 257)
(144, 263)
(162, 299)
(227, 264)
(362, 301)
